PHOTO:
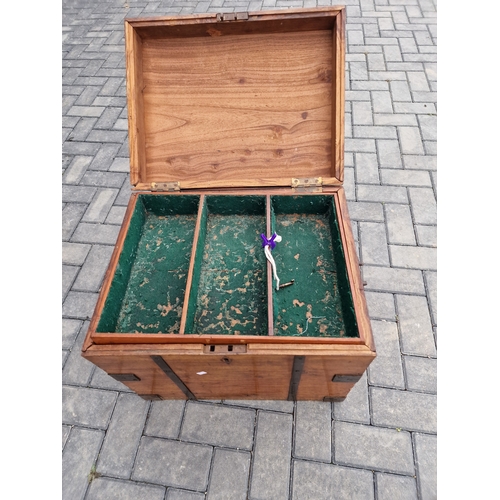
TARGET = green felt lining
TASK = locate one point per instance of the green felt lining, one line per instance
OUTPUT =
(147, 291)
(228, 296)
(319, 303)
(229, 285)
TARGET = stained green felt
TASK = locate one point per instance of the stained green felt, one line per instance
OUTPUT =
(147, 291)
(319, 303)
(230, 271)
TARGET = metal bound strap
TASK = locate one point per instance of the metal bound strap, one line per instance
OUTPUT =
(173, 377)
(298, 365)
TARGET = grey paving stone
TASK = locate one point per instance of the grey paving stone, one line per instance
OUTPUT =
(423, 205)
(385, 279)
(87, 407)
(313, 423)
(86, 111)
(104, 157)
(362, 113)
(77, 194)
(390, 487)
(431, 282)
(374, 243)
(115, 215)
(71, 215)
(418, 81)
(92, 273)
(421, 374)
(355, 407)
(412, 411)
(415, 325)
(360, 145)
(271, 458)
(386, 369)
(74, 254)
(430, 148)
(176, 494)
(414, 107)
(108, 119)
(218, 425)
(122, 437)
(399, 224)
(410, 140)
(373, 448)
(426, 461)
(412, 257)
(112, 489)
(172, 463)
(124, 196)
(366, 168)
(79, 305)
(82, 129)
(400, 91)
(389, 154)
(76, 169)
(384, 194)
(77, 370)
(70, 329)
(68, 276)
(315, 481)
(394, 119)
(281, 406)
(405, 178)
(66, 429)
(366, 211)
(349, 184)
(101, 204)
(78, 457)
(382, 102)
(374, 132)
(428, 127)
(103, 179)
(381, 305)
(165, 419)
(120, 165)
(101, 380)
(229, 479)
(420, 162)
(376, 62)
(96, 233)
(392, 53)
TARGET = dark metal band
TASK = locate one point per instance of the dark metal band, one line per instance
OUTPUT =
(173, 377)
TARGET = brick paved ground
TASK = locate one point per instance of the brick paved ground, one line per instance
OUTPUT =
(380, 443)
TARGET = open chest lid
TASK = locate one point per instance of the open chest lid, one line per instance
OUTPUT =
(236, 100)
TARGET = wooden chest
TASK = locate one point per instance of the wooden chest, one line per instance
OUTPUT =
(236, 135)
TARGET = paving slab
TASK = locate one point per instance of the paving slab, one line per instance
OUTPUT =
(173, 463)
(315, 481)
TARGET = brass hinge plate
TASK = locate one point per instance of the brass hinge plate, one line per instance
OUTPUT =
(232, 16)
(307, 185)
(166, 186)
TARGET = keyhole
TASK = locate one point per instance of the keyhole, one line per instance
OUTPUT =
(226, 360)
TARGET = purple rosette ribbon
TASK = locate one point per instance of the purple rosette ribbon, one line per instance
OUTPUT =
(268, 242)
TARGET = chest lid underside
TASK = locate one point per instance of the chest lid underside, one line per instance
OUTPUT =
(238, 100)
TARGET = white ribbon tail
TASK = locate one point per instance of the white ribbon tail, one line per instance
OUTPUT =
(267, 251)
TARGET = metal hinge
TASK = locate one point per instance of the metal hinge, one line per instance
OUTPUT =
(307, 185)
(166, 186)
(232, 16)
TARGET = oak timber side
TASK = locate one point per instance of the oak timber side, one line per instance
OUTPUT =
(353, 270)
(110, 272)
(263, 372)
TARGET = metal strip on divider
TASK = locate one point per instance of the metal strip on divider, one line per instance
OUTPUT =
(298, 365)
(173, 377)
